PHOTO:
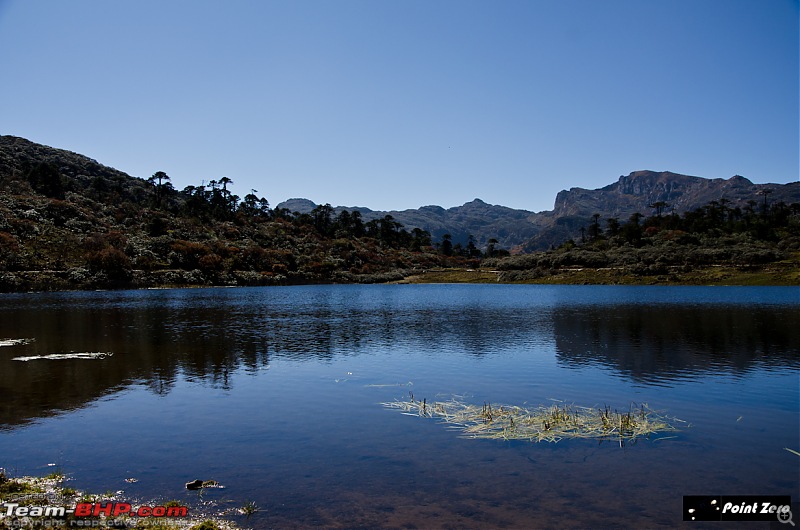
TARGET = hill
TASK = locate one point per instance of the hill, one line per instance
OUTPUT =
(69, 222)
(639, 190)
(476, 218)
(527, 231)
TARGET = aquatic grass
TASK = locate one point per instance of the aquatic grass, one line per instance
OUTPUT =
(541, 424)
(249, 508)
(15, 342)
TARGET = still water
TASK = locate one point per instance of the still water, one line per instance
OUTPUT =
(275, 393)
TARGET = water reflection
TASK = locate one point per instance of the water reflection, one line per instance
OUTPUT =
(661, 344)
(158, 336)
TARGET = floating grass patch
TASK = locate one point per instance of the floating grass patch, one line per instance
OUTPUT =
(15, 342)
(63, 356)
(541, 424)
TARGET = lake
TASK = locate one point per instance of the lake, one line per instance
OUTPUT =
(276, 394)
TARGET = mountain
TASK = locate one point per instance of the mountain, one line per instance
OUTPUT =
(69, 222)
(527, 231)
(635, 192)
(95, 195)
(476, 218)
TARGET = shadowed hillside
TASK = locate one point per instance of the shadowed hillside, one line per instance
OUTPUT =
(640, 192)
(69, 222)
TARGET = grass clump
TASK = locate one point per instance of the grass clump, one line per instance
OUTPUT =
(12, 487)
(541, 424)
(208, 524)
(249, 508)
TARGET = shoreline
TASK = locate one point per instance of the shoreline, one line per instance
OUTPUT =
(784, 273)
(48, 503)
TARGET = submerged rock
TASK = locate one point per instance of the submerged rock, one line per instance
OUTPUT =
(194, 485)
(199, 484)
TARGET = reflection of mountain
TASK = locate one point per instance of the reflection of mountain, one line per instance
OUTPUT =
(664, 343)
(161, 337)
(157, 336)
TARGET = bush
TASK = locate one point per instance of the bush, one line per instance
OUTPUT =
(111, 261)
(187, 254)
(210, 263)
(8, 243)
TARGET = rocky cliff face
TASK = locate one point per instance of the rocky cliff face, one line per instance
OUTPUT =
(635, 192)
(526, 231)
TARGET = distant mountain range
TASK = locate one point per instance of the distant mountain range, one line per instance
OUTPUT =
(637, 191)
(519, 230)
(526, 231)
(481, 220)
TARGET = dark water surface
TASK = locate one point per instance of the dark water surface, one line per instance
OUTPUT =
(276, 392)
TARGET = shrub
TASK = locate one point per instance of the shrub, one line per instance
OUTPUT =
(111, 261)
(210, 263)
(187, 254)
(8, 243)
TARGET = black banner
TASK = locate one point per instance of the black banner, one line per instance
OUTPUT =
(737, 508)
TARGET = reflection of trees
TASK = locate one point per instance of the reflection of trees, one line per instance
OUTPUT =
(159, 338)
(668, 342)
(158, 341)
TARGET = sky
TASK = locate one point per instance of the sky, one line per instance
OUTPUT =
(393, 104)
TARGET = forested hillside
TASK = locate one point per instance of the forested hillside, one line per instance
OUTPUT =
(67, 221)
(716, 243)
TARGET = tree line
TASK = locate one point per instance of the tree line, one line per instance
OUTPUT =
(759, 219)
(214, 201)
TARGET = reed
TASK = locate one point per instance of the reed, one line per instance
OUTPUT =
(249, 508)
(541, 424)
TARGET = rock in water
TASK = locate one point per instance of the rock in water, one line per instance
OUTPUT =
(194, 485)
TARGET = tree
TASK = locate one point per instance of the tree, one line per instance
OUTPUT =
(765, 192)
(613, 226)
(159, 180)
(249, 206)
(447, 245)
(491, 247)
(633, 230)
(388, 230)
(594, 229)
(660, 206)
(197, 204)
(322, 216)
(357, 224)
(46, 179)
(263, 206)
(472, 251)
(421, 238)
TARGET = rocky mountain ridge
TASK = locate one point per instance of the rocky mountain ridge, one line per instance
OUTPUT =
(520, 230)
(573, 208)
(638, 192)
(476, 218)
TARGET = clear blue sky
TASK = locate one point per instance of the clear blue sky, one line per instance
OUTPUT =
(399, 104)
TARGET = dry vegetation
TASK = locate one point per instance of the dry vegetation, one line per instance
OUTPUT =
(541, 424)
